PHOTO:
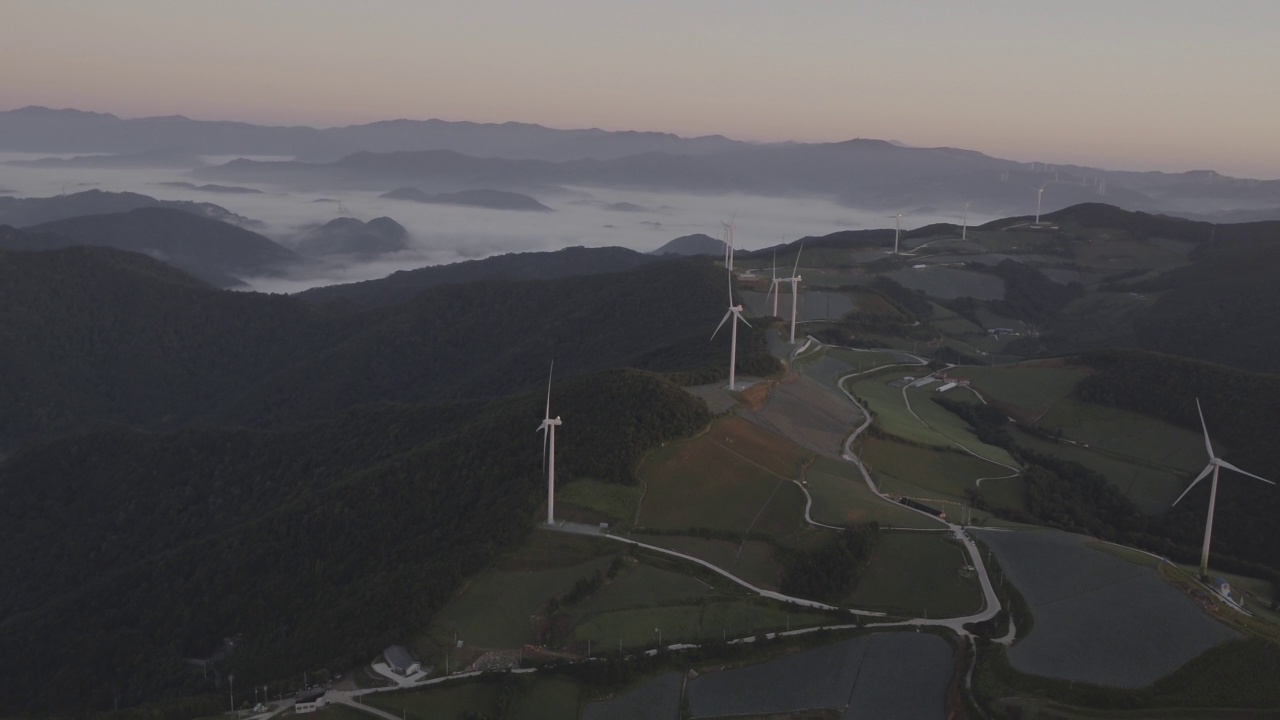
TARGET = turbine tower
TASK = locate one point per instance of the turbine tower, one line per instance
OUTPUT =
(964, 228)
(736, 312)
(1039, 196)
(1215, 463)
(548, 426)
(795, 291)
(897, 230)
(728, 244)
(773, 286)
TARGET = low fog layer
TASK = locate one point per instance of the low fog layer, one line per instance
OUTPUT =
(444, 234)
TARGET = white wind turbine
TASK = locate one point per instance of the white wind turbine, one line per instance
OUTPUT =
(964, 227)
(1215, 463)
(736, 312)
(548, 426)
(1039, 197)
(728, 244)
(773, 286)
(897, 231)
(795, 291)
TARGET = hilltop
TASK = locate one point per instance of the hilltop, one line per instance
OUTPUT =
(491, 199)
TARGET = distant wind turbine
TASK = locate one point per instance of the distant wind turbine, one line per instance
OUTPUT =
(1039, 196)
(728, 244)
(773, 286)
(1215, 463)
(795, 291)
(897, 231)
(548, 426)
(964, 228)
(736, 312)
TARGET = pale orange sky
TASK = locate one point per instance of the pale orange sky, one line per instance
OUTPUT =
(1138, 84)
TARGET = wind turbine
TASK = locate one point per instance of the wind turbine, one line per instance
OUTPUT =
(773, 286)
(795, 291)
(964, 228)
(1215, 463)
(728, 244)
(736, 312)
(1039, 196)
(897, 230)
(549, 440)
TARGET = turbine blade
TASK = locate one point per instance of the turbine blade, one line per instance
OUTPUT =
(549, 375)
(772, 287)
(797, 265)
(726, 317)
(744, 320)
(1229, 466)
(1203, 473)
(1207, 445)
(775, 264)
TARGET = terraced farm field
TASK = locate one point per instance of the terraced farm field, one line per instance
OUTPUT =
(884, 675)
(727, 479)
(1098, 618)
(841, 496)
(917, 574)
(716, 618)
(808, 414)
(936, 472)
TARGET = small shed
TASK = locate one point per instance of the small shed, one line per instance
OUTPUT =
(399, 660)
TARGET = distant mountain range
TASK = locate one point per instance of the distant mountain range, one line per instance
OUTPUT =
(443, 157)
(214, 251)
(25, 212)
(491, 199)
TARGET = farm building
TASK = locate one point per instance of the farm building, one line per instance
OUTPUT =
(944, 387)
(308, 707)
(399, 660)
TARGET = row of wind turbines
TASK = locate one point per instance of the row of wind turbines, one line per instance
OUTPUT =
(549, 424)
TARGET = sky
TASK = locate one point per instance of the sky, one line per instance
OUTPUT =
(1132, 84)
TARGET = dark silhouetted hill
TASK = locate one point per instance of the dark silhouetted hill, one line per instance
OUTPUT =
(491, 199)
(209, 249)
(698, 244)
(25, 212)
(349, 236)
(404, 284)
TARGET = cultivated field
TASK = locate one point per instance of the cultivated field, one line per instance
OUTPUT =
(808, 414)
(916, 574)
(715, 618)
(1129, 434)
(1027, 390)
(883, 675)
(841, 496)
(1152, 489)
(949, 283)
(709, 483)
(614, 501)
(532, 699)
(1098, 618)
(924, 473)
(751, 560)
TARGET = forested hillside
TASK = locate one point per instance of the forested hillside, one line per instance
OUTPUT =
(98, 336)
(131, 551)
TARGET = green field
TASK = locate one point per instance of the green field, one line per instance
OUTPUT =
(714, 619)
(643, 586)
(525, 698)
(930, 425)
(924, 472)
(1128, 434)
(840, 496)
(751, 560)
(732, 478)
(613, 501)
(495, 609)
(916, 573)
(1027, 390)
